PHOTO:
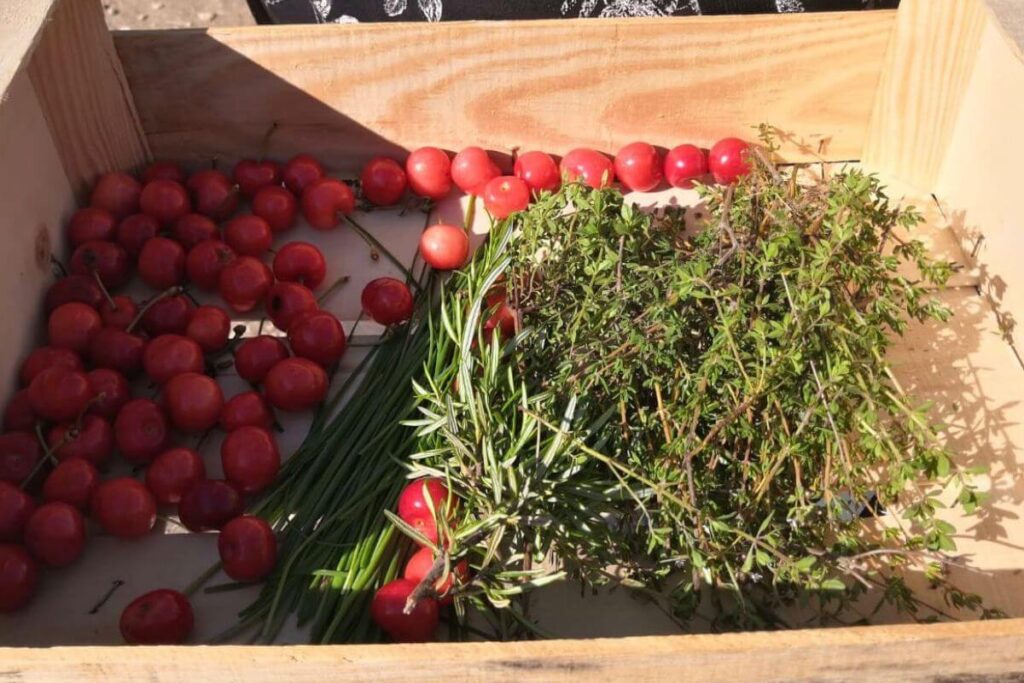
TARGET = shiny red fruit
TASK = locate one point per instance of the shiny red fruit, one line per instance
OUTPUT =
(18, 577)
(16, 507)
(80, 288)
(387, 301)
(141, 431)
(388, 612)
(92, 439)
(300, 262)
(124, 507)
(110, 392)
(277, 206)
(193, 402)
(120, 313)
(244, 283)
(286, 301)
(429, 171)
(58, 394)
(254, 357)
(247, 548)
(383, 181)
(172, 473)
(210, 327)
(160, 617)
(728, 161)
(55, 534)
(444, 247)
(46, 357)
(163, 170)
(505, 195)
(73, 481)
(162, 263)
(107, 260)
(412, 502)
(72, 326)
(134, 231)
(209, 504)
(684, 165)
(420, 564)
(117, 350)
(538, 170)
(246, 409)
(318, 336)
(205, 261)
(589, 167)
(172, 354)
(300, 171)
(213, 194)
(472, 169)
(18, 414)
(250, 459)
(248, 235)
(19, 455)
(91, 224)
(193, 228)
(324, 201)
(502, 318)
(251, 175)
(165, 201)
(168, 315)
(296, 384)
(117, 193)
(638, 167)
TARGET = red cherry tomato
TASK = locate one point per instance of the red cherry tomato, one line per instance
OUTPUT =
(248, 235)
(16, 507)
(387, 300)
(160, 617)
(300, 262)
(117, 350)
(165, 201)
(193, 401)
(246, 409)
(444, 247)
(193, 228)
(19, 455)
(429, 171)
(505, 195)
(209, 504)
(106, 260)
(205, 261)
(73, 481)
(162, 263)
(388, 612)
(110, 392)
(420, 564)
(91, 224)
(168, 315)
(254, 357)
(172, 473)
(124, 507)
(250, 459)
(213, 194)
(244, 282)
(638, 167)
(171, 354)
(383, 181)
(324, 201)
(55, 534)
(18, 415)
(589, 167)
(319, 337)
(59, 394)
(472, 169)
(286, 301)
(92, 440)
(300, 171)
(163, 170)
(117, 193)
(209, 327)
(503, 317)
(685, 164)
(73, 325)
(727, 160)
(120, 314)
(80, 288)
(296, 384)
(46, 357)
(248, 549)
(251, 175)
(412, 502)
(134, 231)
(18, 577)
(538, 170)
(141, 431)
(277, 206)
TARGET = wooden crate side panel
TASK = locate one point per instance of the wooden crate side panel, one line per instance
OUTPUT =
(349, 92)
(84, 95)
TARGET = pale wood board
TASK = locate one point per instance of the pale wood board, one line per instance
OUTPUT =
(352, 91)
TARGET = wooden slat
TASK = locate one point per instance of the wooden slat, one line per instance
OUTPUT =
(347, 92)
(79, 82)
(22, 24)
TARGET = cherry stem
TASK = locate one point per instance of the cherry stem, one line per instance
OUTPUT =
(170, 291)
(265, 142)
(332, 289)
(103, 288)
(61, 270)
(237, 333)
(201, 580)
(48, 453)
(375, 243)
(202, 439)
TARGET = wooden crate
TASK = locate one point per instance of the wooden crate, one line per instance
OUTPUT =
(931, 97)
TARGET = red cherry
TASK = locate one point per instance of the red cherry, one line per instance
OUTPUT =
(193, 228)
(165, 201)
(168, 315)
(286, 301)
(254, 357)
(124, 507)
(172, 473)
(250, 459)
(193, 401)
(81, 288)
(246, 409)
(16, 507)
(91, 224)
(73, 481)
(429, 172)
(251, 175)
(18, 577)
(538, 170)
(73, 325)
(205, 261)
(107, 260)
(277, 206)
(117, 193)
(503, 317)
(248, 235)
(420, 564)
(300, 262)
(388, 612)
(209, 327)
(383, 181)
(163, 170)
(296, 384)
(19, 455)
(300, 171)
(589, 167)
(55, 534)
(121, 316)
(412, 502)
(247, 548)
(58, 394)
(472, 169)
(46, 357)
(134, 231)
(209, 504)
(141, 431)
(213, 193)
(110, 392)
(323, 200)
(171, 354)
(387, 300)
(162, 263)
(160, 617)
(638, 167)
(244, 283)
(319, 337)
(92, 440)
(18, 415)
(685, 164)
(444, 247)
(117, 350)
(728, 161)
(505, 195)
